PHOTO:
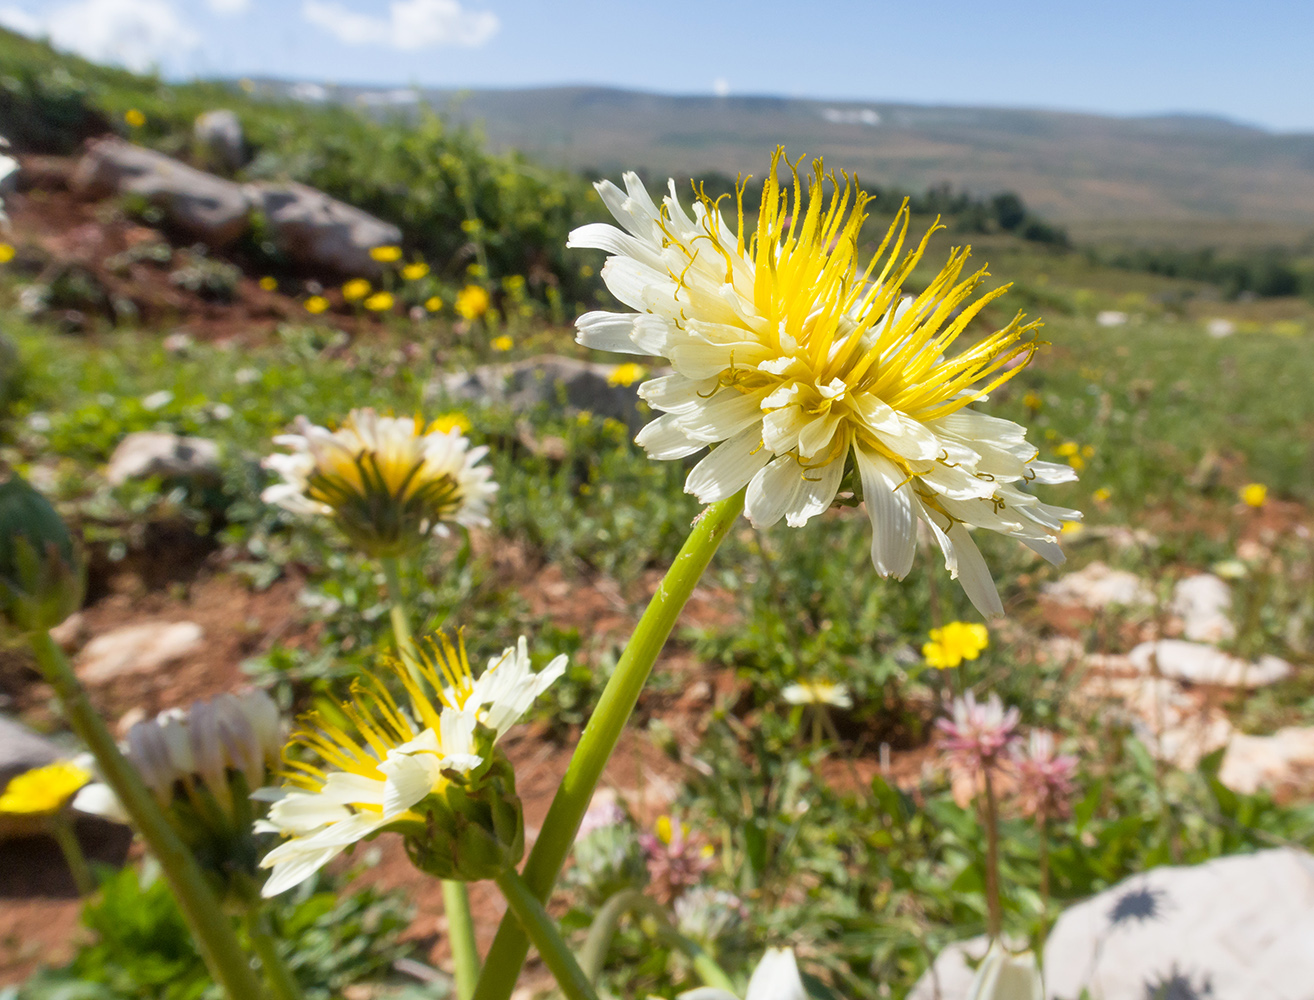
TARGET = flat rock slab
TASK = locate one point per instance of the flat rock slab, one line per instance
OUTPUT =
(171, 456)
(1204, 603)
(1237, 928)
(137, 649)
(1099, 586)
(1196, 663)
(1282, 760)
(206, 207)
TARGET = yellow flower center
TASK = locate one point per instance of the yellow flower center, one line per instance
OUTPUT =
(832, 334)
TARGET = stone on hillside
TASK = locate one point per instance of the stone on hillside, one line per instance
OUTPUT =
(1236, 928)
(1204, 603)
(559, 384)
(1098, 586)
(1286, 758)
(143, 454)
(137, 649)
(1176, 725)
(317, 231)
(22, 750)
(220, 143)
(1196, 663)
(206, 207)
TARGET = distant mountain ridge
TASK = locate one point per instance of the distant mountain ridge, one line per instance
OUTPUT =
(1068, 165)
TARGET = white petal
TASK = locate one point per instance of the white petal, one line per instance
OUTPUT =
(1052, 473)
(773, 491)
(818, 493)
(606, 331)
(664, 438)
(295, 870)
(974, 575)
(723, 416)
(729, 467)
(99, 800)
(600, 236)
(1049, 550)
(410, 778)
(677, 394)
(890, 509)
(776, 977)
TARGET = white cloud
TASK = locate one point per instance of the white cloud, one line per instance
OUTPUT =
(138, 34)
(410, 24)
(721, 86)
(229, 6)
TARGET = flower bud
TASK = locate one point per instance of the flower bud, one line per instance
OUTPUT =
(473, 829)
(42, 576)
(203, 764)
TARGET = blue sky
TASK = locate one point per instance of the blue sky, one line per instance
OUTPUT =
(1248, 62)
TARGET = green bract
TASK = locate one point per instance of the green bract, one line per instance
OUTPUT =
(42, 575)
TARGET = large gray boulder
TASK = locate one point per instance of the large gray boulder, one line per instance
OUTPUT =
(205, 207)
(317, 231)
(561, 385)
(220, 143)
(1236, 928)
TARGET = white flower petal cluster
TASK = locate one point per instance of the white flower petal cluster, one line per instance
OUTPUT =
(775, 978)
(198, 748)
(818, 693)
(383, 476)
(797, 366)
(397, 759)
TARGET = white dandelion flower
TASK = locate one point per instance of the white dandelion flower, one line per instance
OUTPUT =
(373, 773)
(798, 366)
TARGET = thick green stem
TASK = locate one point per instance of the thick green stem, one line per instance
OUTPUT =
(61, 828)
(277, 974)
(529, 913)
(507, 955)
(214, 934)
(461, 935)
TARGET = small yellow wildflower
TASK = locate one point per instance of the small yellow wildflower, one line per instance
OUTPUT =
(1254, 494)
(1068, 449)
(1088, 451)
(386, 254)
(470, 225)
(43, 791)
(416, 271)
(269, 284)
(134, 118)
(502, 343)
(316, 304)
(585, 271)
(956, 642)
(1071, 528)
(433, 303)
(6, 253)
(1032, 401)
(1102, 494)
(1077, 462)
(472, 302)
(477, 271)
(379, 302)
(356, 289)
(627, 374)
(449, 422)
(515, 283)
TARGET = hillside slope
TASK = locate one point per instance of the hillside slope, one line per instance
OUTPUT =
(1071, 167)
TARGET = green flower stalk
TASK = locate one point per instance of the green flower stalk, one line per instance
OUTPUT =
(42, 575)
(511, 946)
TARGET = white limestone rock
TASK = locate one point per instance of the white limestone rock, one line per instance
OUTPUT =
(1204, 603)
(137, 649)
(1196, 663)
